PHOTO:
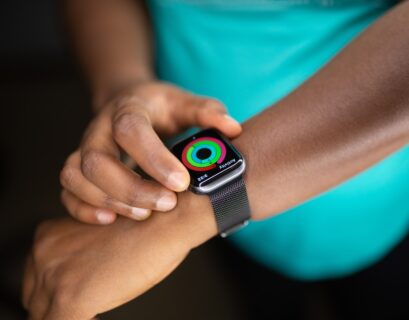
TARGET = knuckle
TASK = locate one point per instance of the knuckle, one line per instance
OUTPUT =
(134, 195)
(212, 103)
(67, 175)
(73, 157)
(39, 249)
(91, 160)
(127, 122)
(160, 98)
(156, 94)
(133, 198)
(107, 201)
(41, 230)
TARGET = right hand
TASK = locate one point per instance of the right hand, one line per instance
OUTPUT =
(98, 186)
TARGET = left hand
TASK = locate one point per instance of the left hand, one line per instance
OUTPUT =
(77, 271)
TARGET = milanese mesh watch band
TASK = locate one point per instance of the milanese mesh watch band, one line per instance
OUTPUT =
(231, 206)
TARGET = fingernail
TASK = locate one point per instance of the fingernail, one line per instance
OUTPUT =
(140, 213)
(105, 217)
(166, 202)
(178, 181)
(230, 118)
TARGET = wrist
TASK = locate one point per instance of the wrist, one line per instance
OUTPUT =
(104, 91)
(187, 226)
(194, 219)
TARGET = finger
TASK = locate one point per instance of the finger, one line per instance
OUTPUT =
(75, 184)
(126, 186)
(133, 131)
(104, 206)
(84, 212)
(28, 281)
(101, 166)
(207, 113)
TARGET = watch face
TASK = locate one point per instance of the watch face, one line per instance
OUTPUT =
(208, 157)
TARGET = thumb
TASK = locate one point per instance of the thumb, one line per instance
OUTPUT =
(209, 113)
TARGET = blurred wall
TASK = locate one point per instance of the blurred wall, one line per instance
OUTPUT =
(30, 31)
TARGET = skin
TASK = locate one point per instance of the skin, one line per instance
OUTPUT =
(133, 112)
(125, 259)
(350, 115)
(97, 185)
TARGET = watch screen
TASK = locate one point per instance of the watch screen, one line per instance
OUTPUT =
(207, 156)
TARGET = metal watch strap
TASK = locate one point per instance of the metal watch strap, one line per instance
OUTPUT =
(231, 206)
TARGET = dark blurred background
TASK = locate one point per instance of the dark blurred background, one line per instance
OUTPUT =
(44, 109)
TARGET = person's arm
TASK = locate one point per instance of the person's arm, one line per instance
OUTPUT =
(112, 39)
(351, 114)
(134, 111)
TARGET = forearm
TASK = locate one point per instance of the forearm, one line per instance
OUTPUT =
(113, 42)
(350, 115)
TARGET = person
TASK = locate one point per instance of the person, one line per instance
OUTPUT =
(320, 88)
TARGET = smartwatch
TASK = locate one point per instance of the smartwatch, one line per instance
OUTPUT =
(216, 169)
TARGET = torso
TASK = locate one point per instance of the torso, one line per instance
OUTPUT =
(249, 54)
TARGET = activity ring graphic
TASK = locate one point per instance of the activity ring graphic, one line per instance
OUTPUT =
(215, 149)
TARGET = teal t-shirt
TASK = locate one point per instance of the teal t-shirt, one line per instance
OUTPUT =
(249, 54)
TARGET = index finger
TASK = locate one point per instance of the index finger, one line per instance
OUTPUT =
(101, 166)
(133, 131)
